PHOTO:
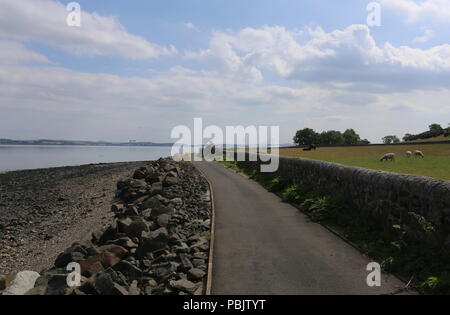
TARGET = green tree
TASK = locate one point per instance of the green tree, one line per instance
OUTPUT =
(408, 137)
(305, 136)
(435, 127)
(436, 130)
(331, 137)
(351, 137)
(390, 139)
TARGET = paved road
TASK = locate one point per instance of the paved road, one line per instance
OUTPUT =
(265, 246)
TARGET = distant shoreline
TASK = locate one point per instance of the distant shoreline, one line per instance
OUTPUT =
(82, 143)
(62, 167)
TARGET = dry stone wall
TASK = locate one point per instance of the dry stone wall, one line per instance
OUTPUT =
(389, 197)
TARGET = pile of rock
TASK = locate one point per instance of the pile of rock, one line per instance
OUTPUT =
(157, 244)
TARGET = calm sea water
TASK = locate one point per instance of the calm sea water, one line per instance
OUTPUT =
(17, 157)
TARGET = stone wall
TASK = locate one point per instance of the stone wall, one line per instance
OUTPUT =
(389, 197)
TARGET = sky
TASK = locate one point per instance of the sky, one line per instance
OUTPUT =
(136, 69)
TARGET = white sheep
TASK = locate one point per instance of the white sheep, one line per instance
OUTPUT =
(408, 154)
(387, 157)
(419, 154)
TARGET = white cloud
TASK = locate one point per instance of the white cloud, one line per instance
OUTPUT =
(223, 58)
(45, 100)
(349, 56)
(427, 35)
(48, 100)
(45, 20)
(413, 11)
(190, 26)
(12, 52)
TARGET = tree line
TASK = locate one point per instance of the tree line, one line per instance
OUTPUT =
(308, 136)
(434, 130)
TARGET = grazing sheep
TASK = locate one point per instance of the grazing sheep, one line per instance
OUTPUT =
(408, 154)
(419, 154)
(387, 157)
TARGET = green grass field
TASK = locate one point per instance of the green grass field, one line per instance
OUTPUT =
(436, 163)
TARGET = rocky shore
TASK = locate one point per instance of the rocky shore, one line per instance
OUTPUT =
(43, 211)
(157, 243)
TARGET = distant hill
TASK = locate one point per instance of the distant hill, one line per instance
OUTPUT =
(433, 139)
(91, 143)
(435, 133)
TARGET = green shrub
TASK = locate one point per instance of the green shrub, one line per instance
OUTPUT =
(432, 283)
(324, 208)
(277, 184)
(437, 285)
(296, 194)
(423, 223)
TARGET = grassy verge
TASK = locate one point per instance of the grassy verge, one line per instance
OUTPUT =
(397, 250)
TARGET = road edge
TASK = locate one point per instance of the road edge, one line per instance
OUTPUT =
(212, 238)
